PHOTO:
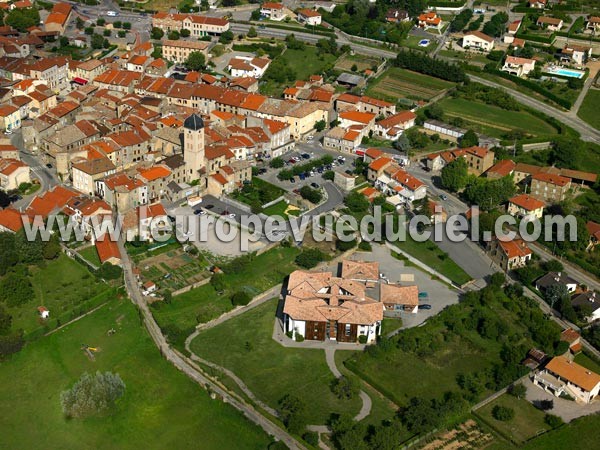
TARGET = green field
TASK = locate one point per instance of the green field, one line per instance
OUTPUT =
(304, 63)
(279, 208)
(581, 434)
(527, 423)
(161, 407)
(90, 254)
(65, 287)
(362, 62)
(270, 370)
(494, 121)
(588, 111)
(204, 303)
(397, 83)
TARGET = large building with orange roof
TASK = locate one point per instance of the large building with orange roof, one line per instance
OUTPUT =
(561, 375)
(197, 25)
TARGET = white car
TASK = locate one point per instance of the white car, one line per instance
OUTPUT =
(232, 216)
(112, 13)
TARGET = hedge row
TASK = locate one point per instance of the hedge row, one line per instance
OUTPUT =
(531, 37)
(446, 4)
(534, 87)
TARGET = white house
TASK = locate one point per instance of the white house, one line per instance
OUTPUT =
(273, 11)
(550, 23)
(538, 4)
(561, 375)
(554, 279)
(391, 128)
(576, 53)
(590, 300)
(478, 40)
(524, 205)
(149, 287)
(593, 23)
(44, 313)
(309, 17)
(518, 66)
(244, 66)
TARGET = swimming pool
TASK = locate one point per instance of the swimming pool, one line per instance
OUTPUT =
(566, 72)
(424, 42)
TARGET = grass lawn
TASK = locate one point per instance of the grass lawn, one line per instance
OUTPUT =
(587, 362)
(588, 111)
(434, 257)
(527, 423)
(413, 42)
(65, 287)
(204, 303)
(581, 434)
(90, 254)
(161, 407)
(258, 193)
(304, 63)
(270, 370)
(279, 209)
(397, 83)
(362, 62)
(390, 324)
(494, 121)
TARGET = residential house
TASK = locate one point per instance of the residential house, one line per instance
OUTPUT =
(138, 63)
(108, 250)
(511, 254)
(502, 168)
(87, 70)
(593, 229)
(156, 179)
(518, 66)
(550, 23)
(399, 298)
(244, 66)
(573, 338)
(588, 302)
(550, 187)
(58, 18)
(309, 17)
(577, 54)
(394, 15)
(563, 376)
(322, 307)
(430, 20)
(179, 51)
(10, 117)
(593, 23)
(11, 220)
(537, 4)
(391, 128)
(12, 173)
(87, 172)
(479, 159)
(342, 140)
(478, 40)
(525, 206)
(273, 11)
(146, 222)
(553, 279)
(364, 119)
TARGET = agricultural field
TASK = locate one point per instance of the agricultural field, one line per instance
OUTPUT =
(397, 83)
(160, 406)
(174, 269)
(527, 423)
(581, 434)
(588, 111)
(494, 121)
(362, 63)
(65, 287)
(252, 354)
(468, 435)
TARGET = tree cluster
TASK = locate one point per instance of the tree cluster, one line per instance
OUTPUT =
(461, 20)
(309, 258)
(92, 394)
(495, 26)
(419, 62)
(312, 195)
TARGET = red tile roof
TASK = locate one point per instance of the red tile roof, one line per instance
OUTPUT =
(551, 178)
(12, 219)
(107, 249)
(527, 202)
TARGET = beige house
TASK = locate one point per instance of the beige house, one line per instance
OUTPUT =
(87, 172)
(518, 66)
(478, 40)
(550, 23)
(12, 173)
(561, 375)
(197, 25)
(179, 51)
(524, 205)
(510, 255)
(549, 187)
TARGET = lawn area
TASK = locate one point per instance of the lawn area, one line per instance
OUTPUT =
(362, 62)
(204, 303)
(587, 362)
(527, 423)
(304, 63)
(588, 111)
(161, 407)
(90, 254)
(280, 208)
(494, 121)
(65, 287)
(397, 83)
(259, 193)
(429, 253)
(413, 43)
(270, 370)
(581, 434)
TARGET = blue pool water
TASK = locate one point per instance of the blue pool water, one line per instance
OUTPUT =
(424, 42)
(568, 73)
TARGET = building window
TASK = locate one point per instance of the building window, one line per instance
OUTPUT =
(347, 331)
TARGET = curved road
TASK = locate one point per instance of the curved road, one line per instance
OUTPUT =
(187, 367)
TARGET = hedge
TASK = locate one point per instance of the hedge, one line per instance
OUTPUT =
(534, 87)
(446, 4)
(542, 39)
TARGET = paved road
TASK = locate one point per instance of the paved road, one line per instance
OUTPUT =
(187, 366)
(334, 199)
(588, 133)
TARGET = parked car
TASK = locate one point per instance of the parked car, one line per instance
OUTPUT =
(232, 216)
(315, 185)
(443, 196)
(425, 306)
(292, 161)
(209, 206)
(49, 166)
(302, 176)
(292, 180)
(305, 155)
(423, 295)
(262, 171)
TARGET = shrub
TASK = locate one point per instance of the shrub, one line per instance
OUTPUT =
(309, 258)
(503, 413)
(240, 298)
(553, 421)
(365, 246)
(362, 339)
(311, 438)
(517, 390)
(345, 388)
(92, 394)
(299, 337)
(344, 246)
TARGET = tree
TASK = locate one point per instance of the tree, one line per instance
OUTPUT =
(497, 279)
(106, 33)
(555, 293)
(195, 61)
(255, 14)
(79, 23)
(123, 33)
(157, 33)
(356, 202)
(15, 288)
(320, 125)
(21, 19)
(63, 41)
(184, 33)
(240, 298)
(553, 421)
(310, 194)
(126, 25)
(469, 139)
(117, 24)
(5, 320)
(435, 112)
(92, 394)
(109, 271)
(226, 37)
(173, 35)
(8, 250)
(344, 246)
(503, 413)
(100, 22)
(293, 413)
(518, 390)
(309, 258)
(89, 31)
(345, 388)
(97, 41)
(277, 163)
(329, 175)
(217, 281)
(419, 415)
(454, 175)
(252, 32)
